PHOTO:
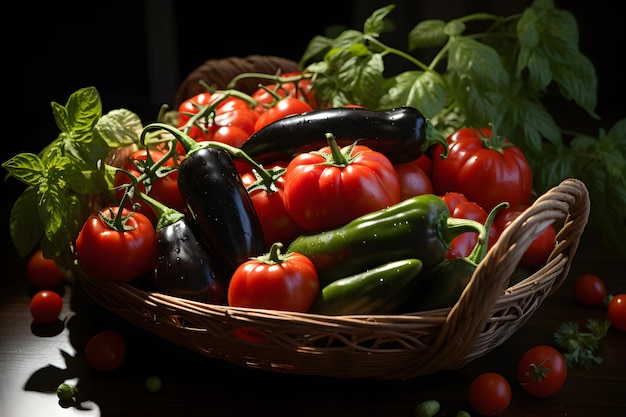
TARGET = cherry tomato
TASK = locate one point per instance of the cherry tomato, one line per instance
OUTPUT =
(164, 189)
(277, 224)
(105, 351)
(116, 255)
(617, 312)
(490, 394)
(275, 281)
(46, 306)
(540, 248)
(542, 371)
(301, 89)
(281, 109)
(321, 192)
(43, 273)
(486, 169)
(589, 290)
(413, 180)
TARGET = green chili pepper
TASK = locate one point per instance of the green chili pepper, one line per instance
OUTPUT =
(442, 285)
(419, 227)
(378, 290)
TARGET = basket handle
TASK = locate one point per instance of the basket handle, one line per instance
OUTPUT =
(569, 201)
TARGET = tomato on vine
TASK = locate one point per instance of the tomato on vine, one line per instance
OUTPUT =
(542, 371)
(589, 290)
(162, 182)
(490, 394)
(116, 245)
(277, 224)
(280, 109)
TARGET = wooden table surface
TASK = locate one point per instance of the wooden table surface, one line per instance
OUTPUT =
(34, 361)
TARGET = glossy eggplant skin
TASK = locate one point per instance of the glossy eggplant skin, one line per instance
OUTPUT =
(219, 202)
(185, 268)
(400, 134)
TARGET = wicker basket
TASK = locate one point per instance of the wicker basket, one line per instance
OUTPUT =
(373, 346)
(219, 72)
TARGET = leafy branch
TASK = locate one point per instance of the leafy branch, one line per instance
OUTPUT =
(502, 73)
(62, 177)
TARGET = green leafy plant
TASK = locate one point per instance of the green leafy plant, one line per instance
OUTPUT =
(489, 69)
(66, 173)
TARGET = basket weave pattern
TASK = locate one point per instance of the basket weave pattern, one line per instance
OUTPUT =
(375, 346)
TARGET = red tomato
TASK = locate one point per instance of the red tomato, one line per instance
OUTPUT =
(231, 111)
(589, 290)
(617, 312)
(322, 192)
(105, 351)
(461, 208)
(275, 281)
(164, 189)
(116, 255)
(280, 109)
(542, 371)
(424, 162)
(46, 306)
(277, 224)
(541, 247)
(189, 108)
(43, 273)
(485, 170)
(301, 89)
(490, 394)
(413, 180)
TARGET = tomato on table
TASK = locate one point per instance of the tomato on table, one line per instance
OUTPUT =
(490, 394)
(116, 254)
(542, 371)
(485, 168)
(617, 312)
(105, 351)
(275, 281)
(46, 306)
(589, 290)
(43, 273)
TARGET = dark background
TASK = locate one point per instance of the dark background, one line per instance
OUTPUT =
(136, 53)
